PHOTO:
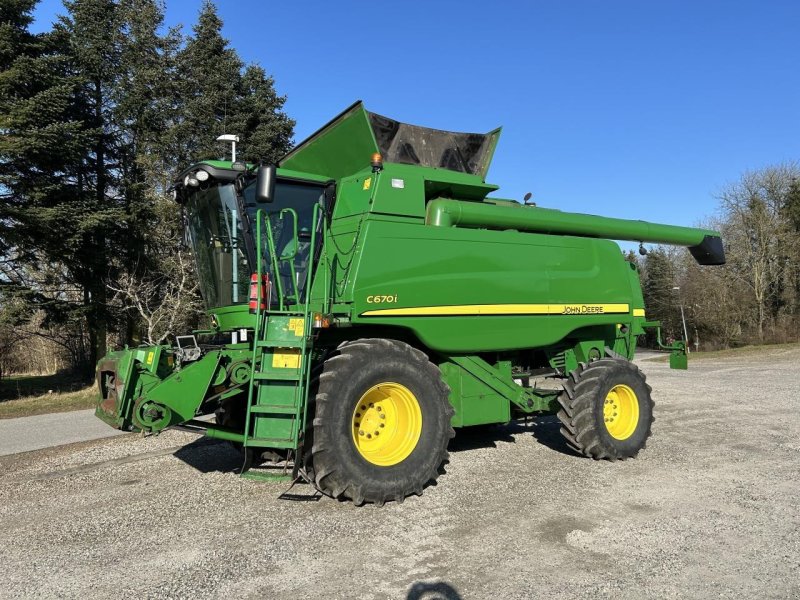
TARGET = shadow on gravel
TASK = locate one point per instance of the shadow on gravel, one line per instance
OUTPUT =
(545, 430)
(208, 456)
(482, 436)
(432, 591)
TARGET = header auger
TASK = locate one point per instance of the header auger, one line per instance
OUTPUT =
(367, 298)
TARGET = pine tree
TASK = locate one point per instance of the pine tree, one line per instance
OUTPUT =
(209, 71)
(220, 96)
(266, 131)
(791, 213)
(41, 167)
(97, 115)
(144, 109)
(93, 30)
(658, 280)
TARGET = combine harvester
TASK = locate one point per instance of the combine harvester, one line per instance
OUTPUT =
(366, 297)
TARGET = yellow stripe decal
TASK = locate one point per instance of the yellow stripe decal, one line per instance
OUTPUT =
(500, 309)
(638, 312)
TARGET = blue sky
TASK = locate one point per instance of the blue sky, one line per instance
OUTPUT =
(629, 109)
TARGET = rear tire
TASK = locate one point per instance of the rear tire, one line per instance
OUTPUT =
(607, 411)
(381, 424)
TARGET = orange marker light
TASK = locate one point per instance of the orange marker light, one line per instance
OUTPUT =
(321, 321)
(377, 162)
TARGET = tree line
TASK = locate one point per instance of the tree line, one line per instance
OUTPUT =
(755, 296)
(96, 116)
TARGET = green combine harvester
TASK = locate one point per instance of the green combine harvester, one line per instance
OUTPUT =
(367, 296)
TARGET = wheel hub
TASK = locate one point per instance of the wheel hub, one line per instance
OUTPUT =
(621, 412)
(386, 424)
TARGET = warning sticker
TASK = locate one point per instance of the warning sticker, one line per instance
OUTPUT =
(296, 325)
(286, 358)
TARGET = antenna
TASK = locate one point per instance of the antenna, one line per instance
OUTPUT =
(232, 139)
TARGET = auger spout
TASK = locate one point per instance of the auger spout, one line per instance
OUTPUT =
(704, 244)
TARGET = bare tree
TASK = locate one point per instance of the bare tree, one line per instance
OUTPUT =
(761, 245)
(164, 301)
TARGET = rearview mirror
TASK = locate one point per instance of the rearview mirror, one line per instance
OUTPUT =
(265, 183)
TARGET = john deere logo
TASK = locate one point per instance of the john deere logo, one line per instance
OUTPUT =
(583, 309)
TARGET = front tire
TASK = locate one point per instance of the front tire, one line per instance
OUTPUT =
(381, 424)
(606, 410)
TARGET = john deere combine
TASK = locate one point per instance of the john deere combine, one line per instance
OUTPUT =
(367, 297)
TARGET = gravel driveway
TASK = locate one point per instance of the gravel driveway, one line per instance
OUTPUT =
(710, 509)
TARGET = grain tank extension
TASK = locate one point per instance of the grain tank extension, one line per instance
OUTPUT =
(367, 297)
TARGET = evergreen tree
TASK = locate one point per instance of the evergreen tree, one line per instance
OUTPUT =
(93, 30)
(219, 97)
(791, 213)
(660, 299)
(208, 71)
(266, 131)
(43, 211)
(144, 109)
(96, 116)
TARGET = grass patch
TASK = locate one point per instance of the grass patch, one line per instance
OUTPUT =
(744, 350)
(26, 395)
(731, 352)
(49, 403)
(25, 386)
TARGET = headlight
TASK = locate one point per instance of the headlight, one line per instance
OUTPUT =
(201, 175)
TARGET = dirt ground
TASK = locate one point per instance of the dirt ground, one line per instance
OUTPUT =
(710, 509)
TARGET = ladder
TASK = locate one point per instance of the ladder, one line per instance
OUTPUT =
(280, 366)
(279, 377)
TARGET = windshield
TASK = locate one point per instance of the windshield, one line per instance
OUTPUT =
(220, 236)
(300, 197)
(216, 232)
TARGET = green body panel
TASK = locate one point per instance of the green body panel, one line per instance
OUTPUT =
(405, 266)
(184, 390)
(475, 403)
(493, 291)
(339, 149)
(228, 318)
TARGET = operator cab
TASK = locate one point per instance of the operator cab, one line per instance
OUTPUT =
(221, 209)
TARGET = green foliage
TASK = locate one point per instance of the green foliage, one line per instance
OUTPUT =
(659, 277)
(755, 297)
(97, 116)
(221, 96)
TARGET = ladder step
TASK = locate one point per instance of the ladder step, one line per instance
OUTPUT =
(271, 442)
(272, 376)
(273, 409)
(279, 344)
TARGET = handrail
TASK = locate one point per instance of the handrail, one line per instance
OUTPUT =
(290, 257)
(307, 314)
(263, 216)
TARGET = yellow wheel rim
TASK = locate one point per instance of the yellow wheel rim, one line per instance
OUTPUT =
(621, 412)
(387, 424)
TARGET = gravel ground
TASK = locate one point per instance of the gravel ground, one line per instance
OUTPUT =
(710, 509)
